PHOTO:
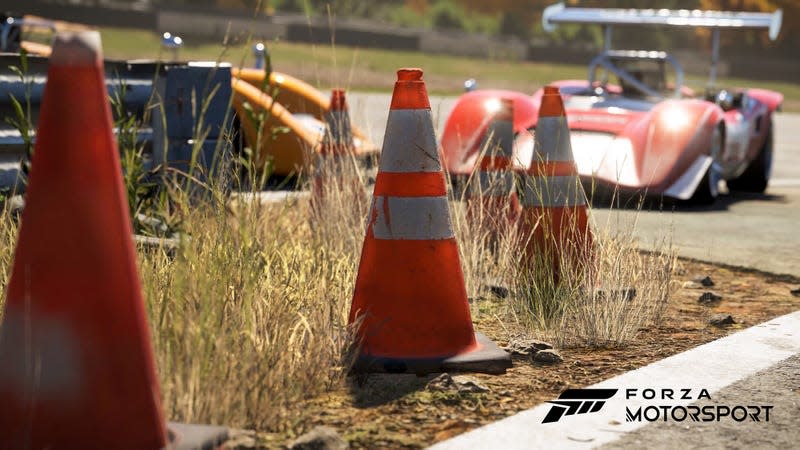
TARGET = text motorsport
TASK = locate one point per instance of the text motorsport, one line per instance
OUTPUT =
(587, 401)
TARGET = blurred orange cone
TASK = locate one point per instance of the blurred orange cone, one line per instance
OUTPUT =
(492, 199)
(76, 366)
(340, 135)
(554, 213)
(410, 301)
(335, 151)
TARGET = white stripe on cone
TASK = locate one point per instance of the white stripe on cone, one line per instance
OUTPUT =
(413, 218)
(48, 356)
(552, 140)
(409, 143)
(553, 192)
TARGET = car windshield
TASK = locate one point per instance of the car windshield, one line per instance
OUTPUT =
(648, 71)
(640, 74)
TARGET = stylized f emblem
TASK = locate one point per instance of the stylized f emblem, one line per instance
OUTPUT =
(578, 401)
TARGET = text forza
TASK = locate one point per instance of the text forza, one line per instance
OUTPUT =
(694, 413)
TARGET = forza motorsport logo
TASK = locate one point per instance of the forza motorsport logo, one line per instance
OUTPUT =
(578, 401)
(587, 401)
(692, 413)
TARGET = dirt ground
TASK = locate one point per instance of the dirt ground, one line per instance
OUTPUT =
(397, 411)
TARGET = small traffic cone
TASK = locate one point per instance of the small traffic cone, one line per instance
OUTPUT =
(339, 139)
(336, 177)
(492, 199)
(337, 144)
(410, 303)
(76, 365)
(555, 215)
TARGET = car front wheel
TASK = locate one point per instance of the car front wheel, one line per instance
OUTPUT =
(707, 191)
(756, 177)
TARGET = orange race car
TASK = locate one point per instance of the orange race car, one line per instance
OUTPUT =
(294, 121)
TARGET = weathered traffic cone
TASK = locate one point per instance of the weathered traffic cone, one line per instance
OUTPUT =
(336, 176)
(339, 139)
(492, 199)
(336, 146)
(554, 216)
(76, 365)
(410, 303)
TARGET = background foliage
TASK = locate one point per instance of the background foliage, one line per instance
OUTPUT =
(522, 18)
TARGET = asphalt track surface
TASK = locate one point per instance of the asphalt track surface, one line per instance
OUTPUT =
(754, 231)
(777, 387)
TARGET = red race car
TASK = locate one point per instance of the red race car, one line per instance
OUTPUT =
(634, 127)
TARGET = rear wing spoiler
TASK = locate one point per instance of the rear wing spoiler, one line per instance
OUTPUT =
(715, 20)
(558, 13)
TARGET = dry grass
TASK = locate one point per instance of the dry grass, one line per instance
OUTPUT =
(8, 237)
(249, 316)
(603, 298)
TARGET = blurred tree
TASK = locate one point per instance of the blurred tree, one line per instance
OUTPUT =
(418, 6)
(789, 38)
(448, 15)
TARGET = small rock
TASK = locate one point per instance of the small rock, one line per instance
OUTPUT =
(526, 346)
(499, 291)
(320, 438)
(548, 356)
(708, 298)
(795, 292)
(467, 384)
(721, 320)
(459, 383)
(704, 281)
(691, 285)
(443, 382)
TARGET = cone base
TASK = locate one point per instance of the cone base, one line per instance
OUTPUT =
(487, 358)
(198, 437)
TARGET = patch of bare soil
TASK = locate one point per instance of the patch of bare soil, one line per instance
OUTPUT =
(398, 411)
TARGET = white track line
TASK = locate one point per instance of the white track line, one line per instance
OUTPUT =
(784, 182)
(712, 366)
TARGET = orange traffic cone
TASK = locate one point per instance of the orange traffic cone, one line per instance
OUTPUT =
(336, 181)
(492, 199)
(76, 366)
(339, 139)
(337, 143)
(554, 203)
(410, 297)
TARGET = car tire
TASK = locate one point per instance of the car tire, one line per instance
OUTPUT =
(708, 190)
(756, 177)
